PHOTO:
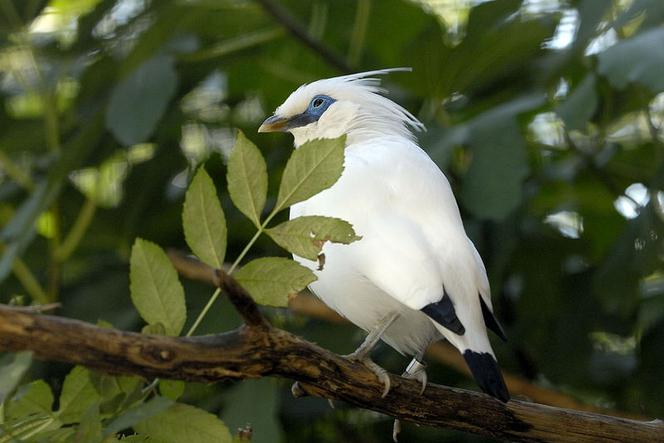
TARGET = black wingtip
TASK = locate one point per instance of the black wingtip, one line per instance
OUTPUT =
(444, 314)
(491, 321)
(486, 372)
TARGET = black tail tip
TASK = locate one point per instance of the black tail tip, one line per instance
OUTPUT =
(486, 372)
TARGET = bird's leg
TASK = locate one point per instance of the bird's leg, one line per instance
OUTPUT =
(362, 353)
(416, 370)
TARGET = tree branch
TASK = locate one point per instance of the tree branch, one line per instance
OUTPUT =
(258, 351)
(442, 352)
(282, 16)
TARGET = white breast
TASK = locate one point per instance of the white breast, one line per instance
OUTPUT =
(361, 197)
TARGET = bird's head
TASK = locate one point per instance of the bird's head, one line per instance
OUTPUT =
(350, 105)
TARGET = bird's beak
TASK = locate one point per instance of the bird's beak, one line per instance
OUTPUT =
(275, 123)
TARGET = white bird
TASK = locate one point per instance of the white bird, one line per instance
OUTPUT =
(414, 277)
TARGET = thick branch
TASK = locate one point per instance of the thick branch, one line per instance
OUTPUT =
(251, 352)
(442, 352)
(281, 15)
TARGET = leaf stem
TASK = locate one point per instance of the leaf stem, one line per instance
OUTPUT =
(204, 312)
(234, 266)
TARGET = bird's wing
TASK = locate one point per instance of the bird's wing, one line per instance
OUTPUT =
(415, 247)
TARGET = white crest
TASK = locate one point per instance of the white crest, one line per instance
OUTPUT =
(359, 111)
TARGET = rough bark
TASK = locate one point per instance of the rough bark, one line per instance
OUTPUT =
(258, 349)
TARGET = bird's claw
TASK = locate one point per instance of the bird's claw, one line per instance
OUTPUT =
(297, 390)
(416, 370)
(381, 373)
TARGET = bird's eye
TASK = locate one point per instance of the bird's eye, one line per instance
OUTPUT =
(317, 103)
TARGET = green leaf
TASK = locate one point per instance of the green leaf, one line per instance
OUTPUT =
(580, 106)
(34, 425)
(184, 424)
(111, 386)
(78, 395)
(271, 280)
(154, 329)
(203, 221)
(247, 178)
(89, 430)
(139, 100)
(12, 369)
(305, 236)
(155, 289)
(639, 59)
(142, 412)
(313, 167)
(172, 389)
(33, 398)
(492, 185)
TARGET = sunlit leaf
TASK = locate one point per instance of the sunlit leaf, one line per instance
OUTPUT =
(271, 280)
(184, 424)
(313, 167)
(155, 289)
(305, 236)
(203, 221)
(33, 398)
(247, 178)
(78, 395)
(89, 429)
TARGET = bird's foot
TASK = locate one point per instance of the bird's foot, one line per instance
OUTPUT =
(416, 370)
(381, 373)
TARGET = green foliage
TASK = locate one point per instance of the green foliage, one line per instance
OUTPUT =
(34, 398)
(305, 236)
(132, 121)
(155, 288)
(247, 178)
(184, 424)
(546, 119)
(272, 280)
(78, 395)
(313, 167)
(204, 222)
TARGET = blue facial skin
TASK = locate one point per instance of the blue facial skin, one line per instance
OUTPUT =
(316, 108)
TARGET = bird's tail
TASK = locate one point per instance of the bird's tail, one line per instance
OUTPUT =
(486, 372)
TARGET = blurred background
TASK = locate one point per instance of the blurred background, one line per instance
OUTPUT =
(546, 115)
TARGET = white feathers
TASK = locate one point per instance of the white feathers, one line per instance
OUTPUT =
(360, 111)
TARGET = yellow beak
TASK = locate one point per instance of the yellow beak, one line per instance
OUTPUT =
(274, 124)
